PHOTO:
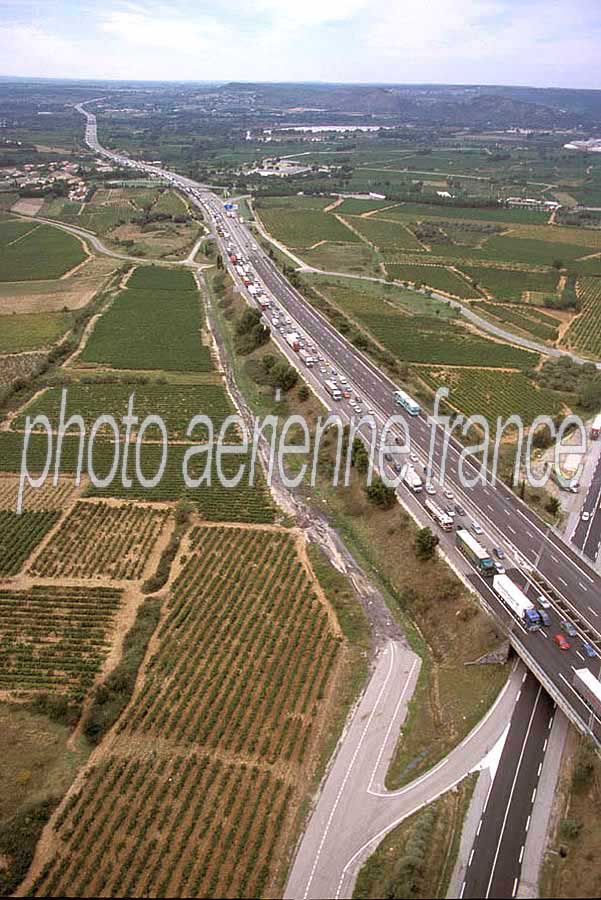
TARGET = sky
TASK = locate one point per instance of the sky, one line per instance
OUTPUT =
(543, 43)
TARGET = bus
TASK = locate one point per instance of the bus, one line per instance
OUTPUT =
(589, 688)
(479, 557)
(407, 403)
(439, 515)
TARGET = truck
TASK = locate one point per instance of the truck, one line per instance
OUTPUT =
(517, 602)
(473, 550)
(596, 427)
(439, 515)
(306, 358)
(292, 340)
(411, 478)
(333, 390)
(589, 688)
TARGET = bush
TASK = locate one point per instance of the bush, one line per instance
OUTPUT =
(570, 829)
(425, 543)
(380, 494)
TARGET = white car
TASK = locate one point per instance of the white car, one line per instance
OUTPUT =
(448, 494)
(477, 529)
(323, 370)
(343, 379)
(413, 457)
(430, 489)
(585, 516)
(543, 601)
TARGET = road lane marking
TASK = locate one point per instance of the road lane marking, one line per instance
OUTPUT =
(594, 612)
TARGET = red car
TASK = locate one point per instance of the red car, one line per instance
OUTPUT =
(561, 642)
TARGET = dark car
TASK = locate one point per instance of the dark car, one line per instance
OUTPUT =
(589, 650)
(545, 617)
(459, 509)
(569, 629)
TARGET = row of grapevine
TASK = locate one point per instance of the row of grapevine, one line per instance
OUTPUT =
(19, 535)
(46, 497)
(585, 331)
(101, 540)
(54, 637)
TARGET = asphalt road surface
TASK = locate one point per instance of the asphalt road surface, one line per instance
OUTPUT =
(587, 534)
(495, 861)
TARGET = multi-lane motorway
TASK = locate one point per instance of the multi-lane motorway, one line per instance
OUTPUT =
(537, 552)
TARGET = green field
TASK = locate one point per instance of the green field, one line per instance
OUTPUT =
(510, 284)
(532, 252)
(42, 252)
(159, 278)
(386, 236)
(352, 206)
(479, 391)
(439, 278)
(171, 203)
(424, 338)
(32, 331)
(14, 229)
(150, 328)
(477, 214)
(175, 404)
(298, 229)
(19, 535)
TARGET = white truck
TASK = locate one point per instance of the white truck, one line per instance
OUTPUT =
(517, 602)
(293, 340)
(333, 390)
(439, 515)
(306, 358)
(411, 478)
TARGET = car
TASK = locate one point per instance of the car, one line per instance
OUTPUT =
(343, 379)
(320, 357)
(589, 650)
(449, 510)
(448, 494)
(370, 412)
(430, 489)
(346, 394)
(499, 568)
(358, 408)
(413, 457)
(352, 404)
(561, 642)
(460, 511)
(585, 516)
(569, 628)
(397, 467)
(477, 529)
(323, 370)
(545, 618)
(543, 601)
(388, 457)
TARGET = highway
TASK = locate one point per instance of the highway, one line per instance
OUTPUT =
(539, 557)
(495, 862)
(587, 534)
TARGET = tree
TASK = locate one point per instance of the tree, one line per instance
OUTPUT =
(425, 543)
(359, 456)
(553, 505)
(380, 494)
(303, 393)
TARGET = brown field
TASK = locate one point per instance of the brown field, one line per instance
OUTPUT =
(103, 540)
(46, 497)
(72, 292)
(197, 792)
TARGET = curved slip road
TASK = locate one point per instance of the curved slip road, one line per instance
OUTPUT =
(354, 811)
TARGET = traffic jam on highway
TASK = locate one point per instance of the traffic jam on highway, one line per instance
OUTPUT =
(566, 654)
(534, 610)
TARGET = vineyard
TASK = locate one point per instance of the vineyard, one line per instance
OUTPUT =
(19, 535)
(232, 713)
(439, 278)
(244, 502)
(46, 497)
(32, 331)
(492, 394)
(521, 318)
(175, 404)
(426, 338)
(151, 328)
(303, 228)
(54, 638)
(98, 540)
(388, 237)
(510, 284)
(41, 252)
(585, 331)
